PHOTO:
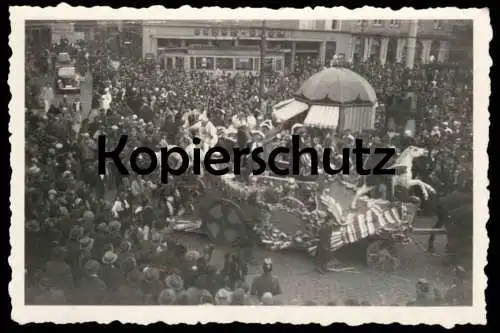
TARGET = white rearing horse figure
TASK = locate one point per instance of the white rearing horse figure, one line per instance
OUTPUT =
(403, 176)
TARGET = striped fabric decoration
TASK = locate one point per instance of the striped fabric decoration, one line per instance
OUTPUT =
(375, 217)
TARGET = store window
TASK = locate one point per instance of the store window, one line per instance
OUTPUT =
(268, 64)
(279, 64)
(224, 63)
(244, 64)
(205, 63)
(256, 62)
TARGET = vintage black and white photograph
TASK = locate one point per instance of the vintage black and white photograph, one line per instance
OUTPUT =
(189, 162)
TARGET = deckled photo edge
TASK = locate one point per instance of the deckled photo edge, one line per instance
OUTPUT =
(70, 314)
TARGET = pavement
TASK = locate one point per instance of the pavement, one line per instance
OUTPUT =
(300, 282)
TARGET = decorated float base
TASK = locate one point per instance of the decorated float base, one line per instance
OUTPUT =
(288, 214)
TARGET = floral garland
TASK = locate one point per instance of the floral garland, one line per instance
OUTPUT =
(275, 239)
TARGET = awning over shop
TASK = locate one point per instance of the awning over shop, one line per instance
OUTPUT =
(323, 116)
(283, 103)
(290, 110)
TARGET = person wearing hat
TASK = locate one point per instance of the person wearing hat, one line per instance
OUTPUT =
(210, 280)
(323, 253)
(115, 237)
(458, 294)
(235, 269)
(166, 297)
(267, 299)
(58, 271)
(223, 297)
(86, 243)
(110, 273)
(194, 295)
(124, 252)
(238, 297)
(182, 298)
(206, 298)
(265, 282)
(33, 242)
(130, 292)
(423, 294)
(73, 245)
(205, 258)
(87, 221)
(152, 285)
(174, 282)
(100, 239)
(92, 290)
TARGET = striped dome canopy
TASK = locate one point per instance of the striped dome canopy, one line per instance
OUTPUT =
(337, 86)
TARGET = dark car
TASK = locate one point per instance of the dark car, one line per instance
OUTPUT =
(63, 59)
(67, 80)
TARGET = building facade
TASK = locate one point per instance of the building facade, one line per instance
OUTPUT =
(235, 45)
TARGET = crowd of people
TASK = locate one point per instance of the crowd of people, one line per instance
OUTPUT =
(93, 239)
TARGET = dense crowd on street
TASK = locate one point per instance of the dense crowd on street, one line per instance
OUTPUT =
(94, 239)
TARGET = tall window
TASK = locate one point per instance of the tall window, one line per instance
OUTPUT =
(436, 24)
(394, 23)
(256, 62)
(224, 63)
(279, 64)
(335, 25)
(243, 64)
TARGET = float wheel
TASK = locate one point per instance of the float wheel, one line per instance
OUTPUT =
(224, 222)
